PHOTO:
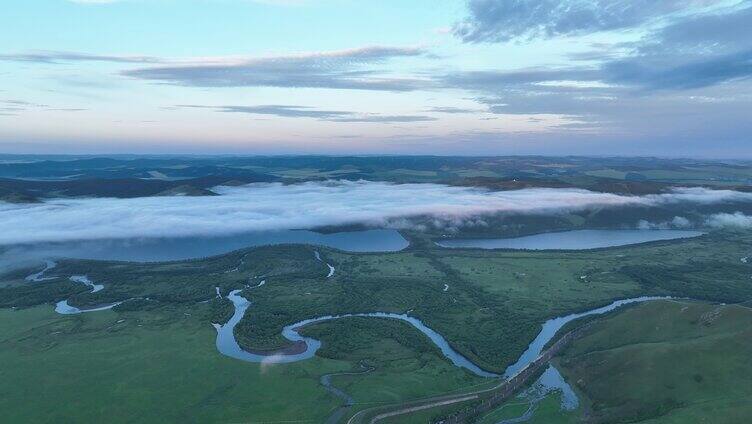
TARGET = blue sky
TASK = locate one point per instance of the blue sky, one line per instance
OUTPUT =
(599, 77)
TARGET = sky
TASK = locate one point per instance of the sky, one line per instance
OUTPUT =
(445, 77)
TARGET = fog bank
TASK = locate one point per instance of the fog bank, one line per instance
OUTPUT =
(258, 207)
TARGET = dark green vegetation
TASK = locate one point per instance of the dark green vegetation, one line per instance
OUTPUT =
(408, 366)
(28, 179)
(161, 365)
(156, 366)
(548, 411)
(666, 362)
(494, 306)
(25, 191)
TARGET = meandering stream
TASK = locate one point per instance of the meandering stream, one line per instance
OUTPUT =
(307, 347)
(62, 307)
(228, 345)
(37, 277)
(318, 258)
(347, 399)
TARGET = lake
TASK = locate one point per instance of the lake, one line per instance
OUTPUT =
(571, 240)
(169, 249)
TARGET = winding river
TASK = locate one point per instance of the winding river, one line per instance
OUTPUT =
(228, 345)
(318, 258)
(552, 326)
(347, 399)
(62, 307)
(307, 347)
(37, 277)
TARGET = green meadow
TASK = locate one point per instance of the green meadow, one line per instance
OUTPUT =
(153, 359)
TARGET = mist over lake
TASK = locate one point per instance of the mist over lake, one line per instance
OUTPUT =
(264, 207)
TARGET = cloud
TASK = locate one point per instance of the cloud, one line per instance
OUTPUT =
(700, 51)
(265, 207)
(504, 20)
(384, 119)
(289, 111)
(687, 78)
(676, 222)
(14, 107)
(729, 220)
(285, 111)
(55, 57)
(452, 110)
(342, 69)
(529, 79)
(691, 68)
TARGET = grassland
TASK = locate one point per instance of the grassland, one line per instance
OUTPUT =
(494, 305)
(144, 367)
(666, 362)
(547, 411)
(406, 364)
(162, 366)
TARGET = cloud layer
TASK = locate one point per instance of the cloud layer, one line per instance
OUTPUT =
(293, 111)
(259, 207)
(504, 20)
(341, 69)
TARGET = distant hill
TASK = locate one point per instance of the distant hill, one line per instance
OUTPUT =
(16, 197)
(29, 178)
(26, 191)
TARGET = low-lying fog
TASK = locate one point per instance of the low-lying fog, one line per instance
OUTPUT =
(261, 207)
(274, 206)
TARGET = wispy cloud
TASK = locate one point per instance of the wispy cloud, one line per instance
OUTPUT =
(341, 69)
(384, 119)
(14, 107)
(289, 111)
(55, 57)
(284, 111)
(338, 69)
(452, 110)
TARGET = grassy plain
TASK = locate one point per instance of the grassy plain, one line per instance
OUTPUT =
(162, 356)
(162, 366)
(143, 367)
(547, 411)
(666, 362)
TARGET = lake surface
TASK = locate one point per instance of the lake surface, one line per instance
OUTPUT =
(572, 240)
(169, 249)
